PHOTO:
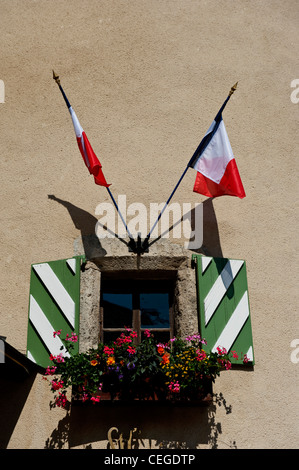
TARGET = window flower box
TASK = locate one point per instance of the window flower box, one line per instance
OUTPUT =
(178, 372)
(203, 397)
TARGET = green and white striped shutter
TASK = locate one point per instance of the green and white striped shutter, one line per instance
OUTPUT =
(224, 312)
(54, 304)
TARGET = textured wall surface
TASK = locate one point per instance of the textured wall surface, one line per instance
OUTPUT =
(146, 79)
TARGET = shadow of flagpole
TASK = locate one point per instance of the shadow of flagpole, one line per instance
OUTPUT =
(85, 223)
(211, 245)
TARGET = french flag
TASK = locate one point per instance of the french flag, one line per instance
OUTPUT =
(89, 157)
(217, 172)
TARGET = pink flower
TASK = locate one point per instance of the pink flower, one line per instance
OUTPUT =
(245, 360)
(196, 337)
(201, 355)
(235, 355)
(84, 397)
(73, 337)
(56, 333)
(174, 387)
(225, 364)
(221, 351)
(58, 358)
(95, 399)
(147, 333)
(50, 370)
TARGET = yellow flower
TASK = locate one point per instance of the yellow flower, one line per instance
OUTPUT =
(93, 362)
(110, 361)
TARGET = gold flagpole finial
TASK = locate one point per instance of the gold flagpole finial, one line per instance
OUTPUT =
(233, 89)
(56, 78)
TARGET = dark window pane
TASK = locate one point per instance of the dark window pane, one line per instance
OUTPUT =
(110, 336)
(117, 310)
(160, 336)
(154, 310)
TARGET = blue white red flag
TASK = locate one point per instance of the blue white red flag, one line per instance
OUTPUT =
(214, 161)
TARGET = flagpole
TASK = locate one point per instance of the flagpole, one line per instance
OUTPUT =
(145, 243)
(116, 206)
(57, 80)
(167, 202)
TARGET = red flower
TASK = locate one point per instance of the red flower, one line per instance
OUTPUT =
(57, 385)
(109, 351)
(131, 350)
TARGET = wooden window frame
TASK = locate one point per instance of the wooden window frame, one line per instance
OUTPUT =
(148, 279)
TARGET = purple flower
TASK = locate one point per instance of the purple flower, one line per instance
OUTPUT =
(130, 365)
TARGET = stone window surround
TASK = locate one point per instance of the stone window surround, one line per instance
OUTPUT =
(113, 256)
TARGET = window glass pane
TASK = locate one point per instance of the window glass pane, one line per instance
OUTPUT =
(117, 310)
(110, 336)
(160, 336)
(154, 310)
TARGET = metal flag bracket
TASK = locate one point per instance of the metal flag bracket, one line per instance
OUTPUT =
(138, 246)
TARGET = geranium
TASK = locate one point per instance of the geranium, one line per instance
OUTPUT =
(50, 370)
(131, 350)
(133, 334)
(73, 337)
(61, 400)
(123, 339)
(108, 351)
(95, 399)
(221, 351)
(59, 358)
(235, 355)
(201, 355)
(57, 385)
(174, 387)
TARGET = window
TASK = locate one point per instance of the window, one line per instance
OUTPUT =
(140, 304)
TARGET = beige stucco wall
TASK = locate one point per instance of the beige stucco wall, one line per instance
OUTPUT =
(146, 78)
